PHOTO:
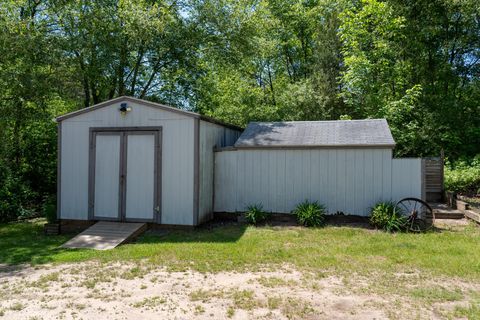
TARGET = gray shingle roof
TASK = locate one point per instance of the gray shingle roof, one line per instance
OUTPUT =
(297, 134)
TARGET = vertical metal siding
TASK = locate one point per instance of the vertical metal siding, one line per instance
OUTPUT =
(177, 159)
(341, 180)
(345, 180)
(406, 178)
(211, 135)
(331, 201)
(370, 196)
(74, 171)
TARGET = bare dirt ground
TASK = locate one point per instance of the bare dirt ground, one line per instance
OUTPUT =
(140, 291)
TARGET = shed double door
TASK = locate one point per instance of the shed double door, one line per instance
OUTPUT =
(124, 175)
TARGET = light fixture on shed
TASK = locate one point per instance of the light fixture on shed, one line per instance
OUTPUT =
(124, 108)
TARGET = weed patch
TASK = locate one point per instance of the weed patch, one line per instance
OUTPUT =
(150, 303)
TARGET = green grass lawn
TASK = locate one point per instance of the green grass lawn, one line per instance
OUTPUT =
(238, 247)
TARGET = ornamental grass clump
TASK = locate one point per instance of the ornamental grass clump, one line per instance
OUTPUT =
(255, 214)
(310, 214)
(383, 216)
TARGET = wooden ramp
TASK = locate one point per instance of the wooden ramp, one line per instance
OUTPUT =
(105, 235)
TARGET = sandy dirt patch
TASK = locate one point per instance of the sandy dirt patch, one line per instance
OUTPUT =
(136, 291)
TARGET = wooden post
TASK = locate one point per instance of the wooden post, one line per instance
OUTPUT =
(442, 165)
(424, 180)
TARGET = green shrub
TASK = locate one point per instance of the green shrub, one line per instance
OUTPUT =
(310, 214)
(49, 209)
(255, 214)
(395, 223)
(383, 216)
(15, 196)
(381, 213)
(463, 177)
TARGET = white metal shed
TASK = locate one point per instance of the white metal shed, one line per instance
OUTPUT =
(133, 160)
(346, 165)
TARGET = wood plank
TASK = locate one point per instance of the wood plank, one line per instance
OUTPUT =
(472, 215)
(442, 211)
(449, 215)
(106, 235)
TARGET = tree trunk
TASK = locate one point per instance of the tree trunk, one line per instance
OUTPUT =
(271, 84)
(156, 68)
(121, 69)
(135, 71)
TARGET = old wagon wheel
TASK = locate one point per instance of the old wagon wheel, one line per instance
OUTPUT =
(419, 216)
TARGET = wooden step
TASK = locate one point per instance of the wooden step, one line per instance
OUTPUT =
(105, 235)
(442, 211)
(449, 215)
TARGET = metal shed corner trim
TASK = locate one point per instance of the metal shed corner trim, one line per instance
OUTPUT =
(59, 169)
(196, 171)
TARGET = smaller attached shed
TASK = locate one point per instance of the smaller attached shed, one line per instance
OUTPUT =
(133, 160)
(346, 165)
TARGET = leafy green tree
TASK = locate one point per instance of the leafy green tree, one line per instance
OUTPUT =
(126, 47)
(279, 61)
(414, 63)
(29, 88)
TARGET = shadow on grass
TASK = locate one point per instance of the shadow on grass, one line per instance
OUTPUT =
(229, 231)
(25, 243)
(211, 232)
(351, 221)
